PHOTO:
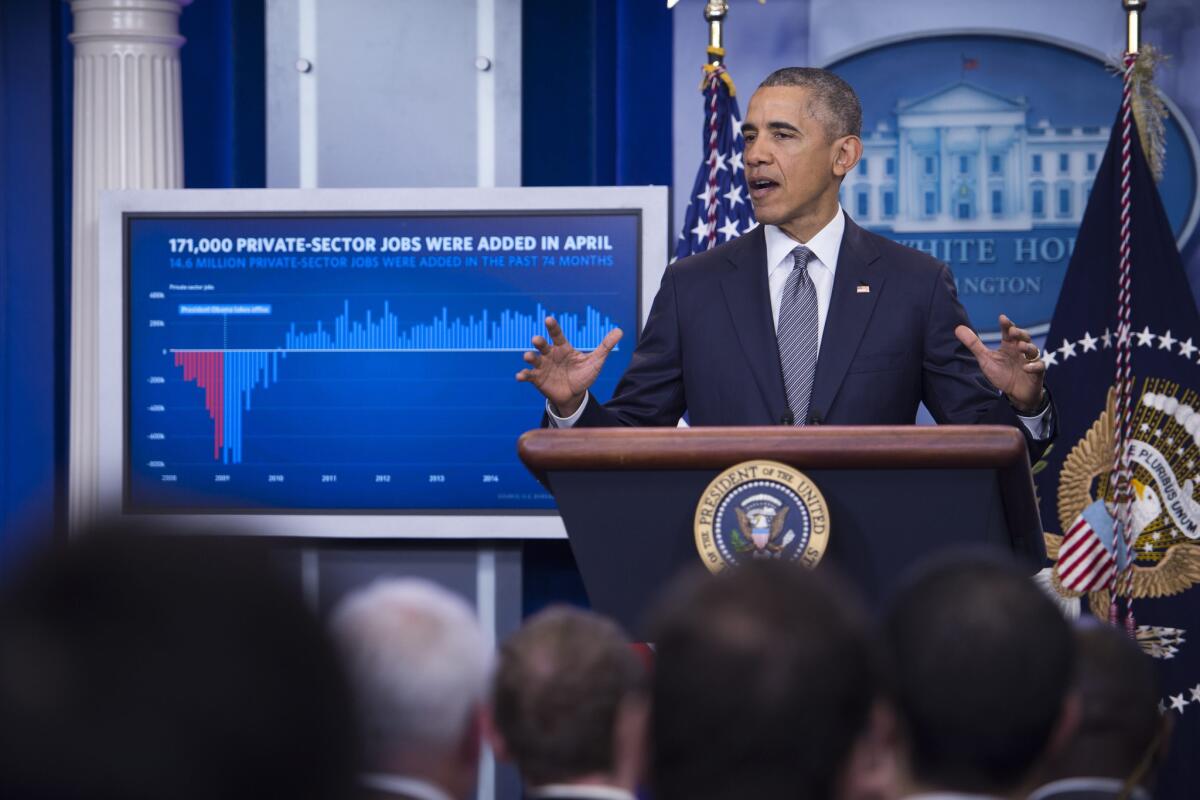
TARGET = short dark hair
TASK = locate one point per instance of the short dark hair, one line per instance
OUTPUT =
(559, 684)
(982, 661)
(764, 678)
(1119, 724)
(832, 101)
(165, 666)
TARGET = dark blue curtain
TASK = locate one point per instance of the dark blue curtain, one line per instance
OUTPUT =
(595, 93)
(32, 361)
(223, 76)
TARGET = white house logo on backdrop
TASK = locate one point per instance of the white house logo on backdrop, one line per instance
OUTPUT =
(967, 159)
(981, 151)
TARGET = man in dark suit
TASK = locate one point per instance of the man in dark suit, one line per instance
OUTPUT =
(807, 319)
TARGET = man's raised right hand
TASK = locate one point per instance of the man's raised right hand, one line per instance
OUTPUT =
(562, 373)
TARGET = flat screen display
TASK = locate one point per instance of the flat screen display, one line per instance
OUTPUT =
(342, 362)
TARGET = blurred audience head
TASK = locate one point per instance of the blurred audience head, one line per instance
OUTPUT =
(982, 662)
(767, 684)
(1121, 738)
(139, 666)
(419, 664)
(569, 704)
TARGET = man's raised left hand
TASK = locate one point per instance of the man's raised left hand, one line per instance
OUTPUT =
(1015, 367)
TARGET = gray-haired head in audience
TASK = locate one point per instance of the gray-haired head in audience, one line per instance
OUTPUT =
(420, 665)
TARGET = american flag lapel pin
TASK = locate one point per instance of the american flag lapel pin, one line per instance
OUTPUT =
(863, 288)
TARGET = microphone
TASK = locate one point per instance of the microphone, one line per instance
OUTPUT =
(787, 418)
(814, 418)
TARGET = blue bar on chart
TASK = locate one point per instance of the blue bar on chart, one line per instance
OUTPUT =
(509, 330)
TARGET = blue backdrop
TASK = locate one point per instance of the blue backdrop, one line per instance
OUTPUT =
(33, 277)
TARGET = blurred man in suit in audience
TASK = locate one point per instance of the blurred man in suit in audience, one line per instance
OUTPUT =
(1122, 737)
(419, 664)
(982, 662)
(164, 667)
(767, 684)
(569, 707)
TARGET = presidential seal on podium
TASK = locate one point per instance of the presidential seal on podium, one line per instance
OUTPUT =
(761, 510)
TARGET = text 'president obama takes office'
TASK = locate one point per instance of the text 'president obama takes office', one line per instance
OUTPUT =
(808, 318)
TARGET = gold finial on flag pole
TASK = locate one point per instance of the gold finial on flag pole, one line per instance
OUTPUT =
(714, 15)
(1133, 24)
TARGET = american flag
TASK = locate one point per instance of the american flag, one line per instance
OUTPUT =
(720, 207)
(1091, 554)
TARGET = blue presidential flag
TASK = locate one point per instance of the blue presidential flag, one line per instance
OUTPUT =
(1145, 551)
(720, 207)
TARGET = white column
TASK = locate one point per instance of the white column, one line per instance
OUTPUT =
(983, 194)
(1022, 175)
(945, 170)
(127, 135)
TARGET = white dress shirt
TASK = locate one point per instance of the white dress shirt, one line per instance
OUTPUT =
(951, 796)
(826, 246)
(581, 791)
(1096, 785)
(400, 785)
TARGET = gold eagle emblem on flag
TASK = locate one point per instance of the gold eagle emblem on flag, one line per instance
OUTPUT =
(1165, 548)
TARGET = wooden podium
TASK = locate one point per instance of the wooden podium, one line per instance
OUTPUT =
(628, 497)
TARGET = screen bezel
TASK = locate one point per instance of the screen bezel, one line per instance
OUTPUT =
(118, 209)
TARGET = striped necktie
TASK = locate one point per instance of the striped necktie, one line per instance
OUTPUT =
(797, 335)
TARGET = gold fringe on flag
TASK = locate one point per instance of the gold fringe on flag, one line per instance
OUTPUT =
(1148, 107)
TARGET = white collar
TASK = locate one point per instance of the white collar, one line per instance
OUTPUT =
(398, 784)
(582, 791)
(950, 796)
(1087, 784)
(826, 245)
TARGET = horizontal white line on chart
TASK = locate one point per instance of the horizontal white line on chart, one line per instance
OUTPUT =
(406, 293)
(208, 436)
(423, 465)
(361, 350)
(264, 407)
(245, 323)
(507, 378)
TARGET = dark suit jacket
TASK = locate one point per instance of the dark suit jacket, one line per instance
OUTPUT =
(709, 345)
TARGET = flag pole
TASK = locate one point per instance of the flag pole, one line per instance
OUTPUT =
(1133, 24)
(1122, 462)
(714, 14)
